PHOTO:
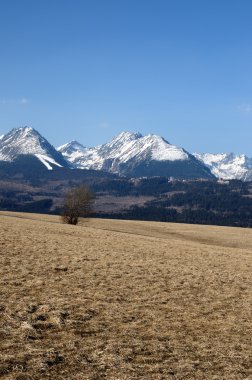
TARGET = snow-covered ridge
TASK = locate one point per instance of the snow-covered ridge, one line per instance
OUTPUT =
(135, 155)
(26, 140)
(127, 146)
(121, 149)
(226, 165)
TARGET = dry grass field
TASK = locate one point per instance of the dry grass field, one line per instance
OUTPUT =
(124, 300)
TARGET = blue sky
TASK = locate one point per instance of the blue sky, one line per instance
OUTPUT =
(89, 69)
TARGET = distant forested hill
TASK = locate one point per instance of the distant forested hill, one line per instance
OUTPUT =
(157, 198)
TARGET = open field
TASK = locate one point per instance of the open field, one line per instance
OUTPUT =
(124, 300)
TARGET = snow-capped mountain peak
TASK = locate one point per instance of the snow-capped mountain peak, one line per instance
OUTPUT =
(71, 143)
(126, 136)
(28, 141)
(129, 146)
(71, 147)
(72, 151)
(162, 150)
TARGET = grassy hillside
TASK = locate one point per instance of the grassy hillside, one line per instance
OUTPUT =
(123, 300)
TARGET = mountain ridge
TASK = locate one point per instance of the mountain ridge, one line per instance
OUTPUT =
(132, 154)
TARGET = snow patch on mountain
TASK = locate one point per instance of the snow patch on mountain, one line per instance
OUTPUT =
(47, 161)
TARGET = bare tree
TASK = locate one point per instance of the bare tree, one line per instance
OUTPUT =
(77, 203)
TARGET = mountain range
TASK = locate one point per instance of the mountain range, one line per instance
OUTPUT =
(134, 155)
(128, 154)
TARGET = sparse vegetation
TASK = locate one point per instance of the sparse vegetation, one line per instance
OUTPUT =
(123, 300)
(77, 203)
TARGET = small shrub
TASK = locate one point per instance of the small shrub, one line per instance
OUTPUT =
(77, 203)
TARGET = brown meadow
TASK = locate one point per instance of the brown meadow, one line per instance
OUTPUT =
(113, 299)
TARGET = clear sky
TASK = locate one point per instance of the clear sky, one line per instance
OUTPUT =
(89, 69)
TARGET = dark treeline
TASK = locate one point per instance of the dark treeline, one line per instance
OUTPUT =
(42, 206)
(160, 185)
(206, 202)
(199, 216)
